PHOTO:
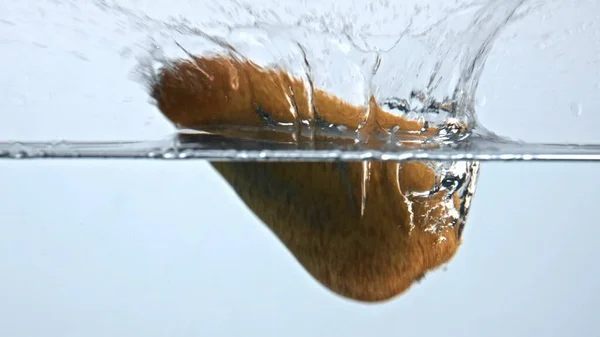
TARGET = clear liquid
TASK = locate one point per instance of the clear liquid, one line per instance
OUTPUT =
(79, 71)
(426, 69)
(356, 69)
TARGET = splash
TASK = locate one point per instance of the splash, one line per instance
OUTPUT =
(427, 73)
(419, 60)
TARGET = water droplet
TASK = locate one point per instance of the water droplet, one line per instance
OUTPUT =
(187, 153)
(169, 154)
(342, 128)
(576, 109)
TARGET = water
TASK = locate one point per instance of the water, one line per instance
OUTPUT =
(384, 121)
(421, 62)
(303, 78)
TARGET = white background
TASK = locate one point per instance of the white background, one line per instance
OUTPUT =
(137, 248)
